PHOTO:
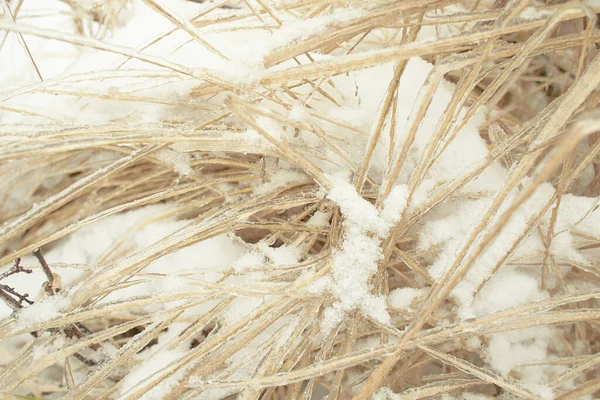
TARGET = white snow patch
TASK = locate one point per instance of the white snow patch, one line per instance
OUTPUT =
(355, 262)
(319, 219)
(44, 310)
(279, 179)
(508, 288)
(179, 161)
(401, 298)
(154, 360)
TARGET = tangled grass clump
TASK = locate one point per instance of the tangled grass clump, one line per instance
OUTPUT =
(300, 199)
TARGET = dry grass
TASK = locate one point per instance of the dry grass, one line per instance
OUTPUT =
(496, 59)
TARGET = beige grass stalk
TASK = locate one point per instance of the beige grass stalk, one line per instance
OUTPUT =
(493, 57)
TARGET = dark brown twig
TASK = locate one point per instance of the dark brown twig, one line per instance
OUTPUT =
(8, 293)
(15, 269)
(49, 285)
(10, 301)
(21, 297)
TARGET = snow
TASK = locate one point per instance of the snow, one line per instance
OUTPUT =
(278, 177)
(44, 310)
(355, 262)
(239, 308)
(57, 59)
(353, 265)
(247, 52)
(595, 4)
(395, 204)
(179, 161)
(251, 259)
(357, 211)
(262, 255)
(98, 240)
(579, 214)
(530, 13)
(282, 255)
(154, 360)
(509, 350)
(156, 95)
(385, 393)
(401, 298)
(474, 396)
(298, 113)
(454, 228)
(509, 288)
